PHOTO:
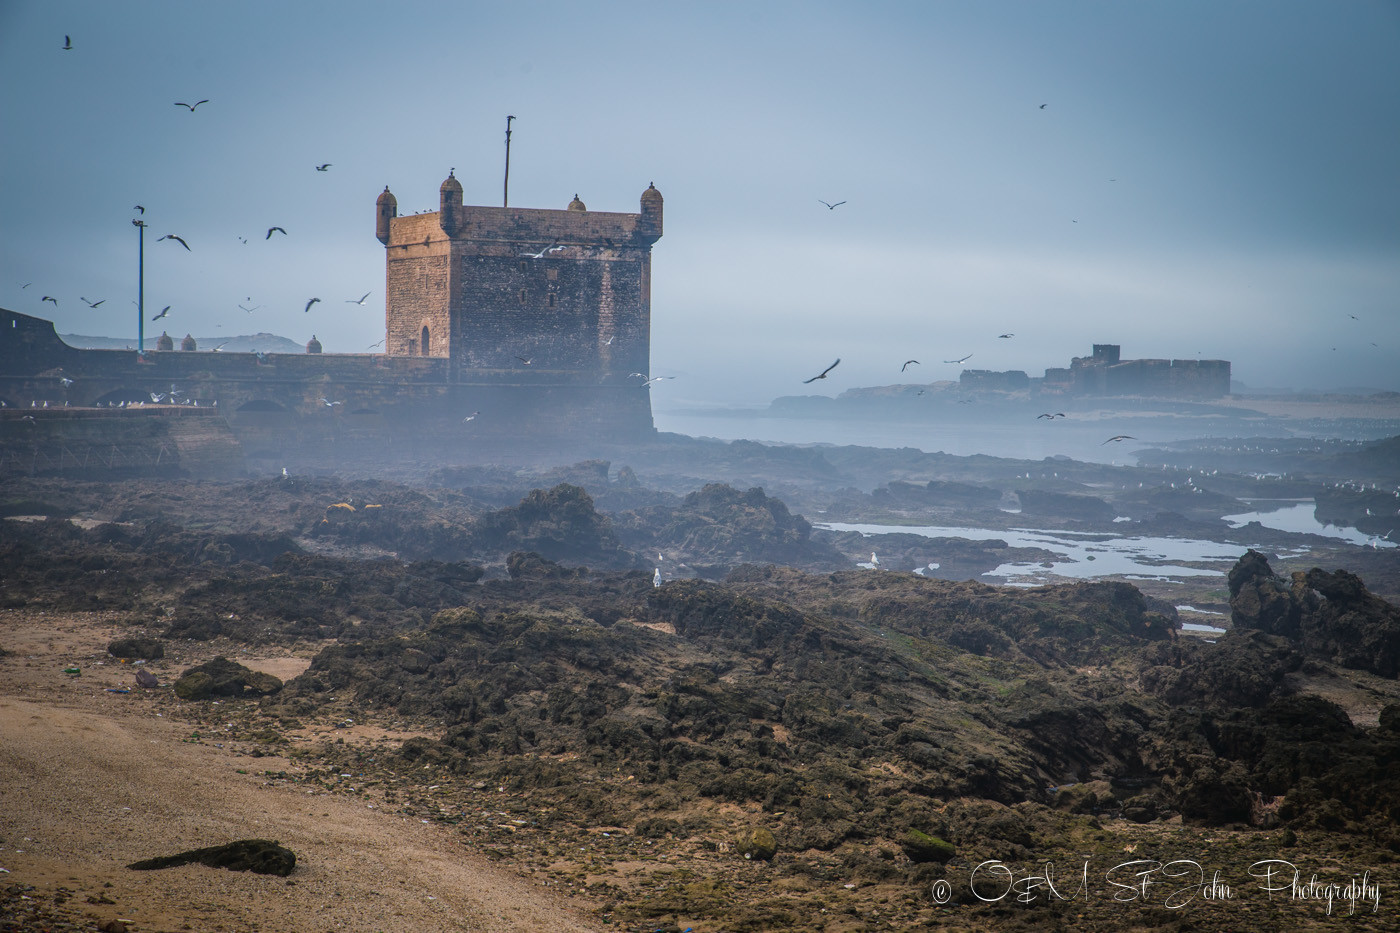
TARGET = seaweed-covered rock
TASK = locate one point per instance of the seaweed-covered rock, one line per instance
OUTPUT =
(1329, 614)
(224, 678)
(922, 847)
(261, 856)
(148, 649)
(757, 844)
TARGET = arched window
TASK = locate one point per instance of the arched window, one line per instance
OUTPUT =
(425, 350)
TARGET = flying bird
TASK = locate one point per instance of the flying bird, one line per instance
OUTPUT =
(1042, 106)
(219, 347)
(328, 403)
(525, 361)
(1058, 414)
(352, 301)
(26, 285)
(47, 298)
(1005, 336)
(164, 311)
(66, 381)
(655, 379)
(963, 360)
(252, 309)
(906, 364)
(830, 206)
(552, 248)
(271, 230)
(373, 345)
(1119, 437)
(470, 417)
(822, 374)
(67, 44)
(171, 236)
(139, 208)
(323, 166)
(310, 303)
(92, 304)
(180, 103)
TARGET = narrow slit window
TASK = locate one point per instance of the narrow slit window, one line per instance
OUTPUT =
(552, 299)
(522, 296)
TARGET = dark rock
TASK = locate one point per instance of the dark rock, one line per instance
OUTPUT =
(922, 847)
(757, 844)
(1041, 503)
(262, 856)
(224, 678)
(148, 649)
(1390, 717)
(1328, 614)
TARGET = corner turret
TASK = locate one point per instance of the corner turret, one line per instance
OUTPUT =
(386, 208)
(652, 202)
(450, 205)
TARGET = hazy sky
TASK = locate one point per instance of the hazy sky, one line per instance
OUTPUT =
(1208, 179)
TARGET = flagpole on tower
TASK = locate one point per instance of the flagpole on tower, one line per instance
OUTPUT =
(505, 194)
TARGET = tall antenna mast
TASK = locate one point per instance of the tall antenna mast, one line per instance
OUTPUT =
(505, 194)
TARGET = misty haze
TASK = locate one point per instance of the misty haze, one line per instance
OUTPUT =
(812, 467)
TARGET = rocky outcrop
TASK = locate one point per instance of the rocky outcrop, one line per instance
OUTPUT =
(1330, 615)
(261, 856)
(224, 678)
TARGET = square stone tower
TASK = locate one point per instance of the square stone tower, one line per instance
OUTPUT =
(537, 296)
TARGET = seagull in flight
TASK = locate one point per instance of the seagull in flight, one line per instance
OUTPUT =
(1005, 336)
(470, 417)
(164, 311)
(1058, 414)
(552, 248)
(525, 361)
(47, 298)
(139, 208)
(655, 379)
(67, 44)
(271, 230)
(328, 403)
(252, 309)
(822, 374)
(830, 206)
(352, 301)
(219, 347)
(180, 103)
(907, 363)
(310, 303)
(180, 240)
(323, 166)
(92, 304)
(963, 360)
(373, 345)
(1119, 437)
(66, 381)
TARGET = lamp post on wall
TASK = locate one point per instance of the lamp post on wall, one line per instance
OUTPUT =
(140, 226)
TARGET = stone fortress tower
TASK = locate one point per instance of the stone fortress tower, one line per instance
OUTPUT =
(551, 297)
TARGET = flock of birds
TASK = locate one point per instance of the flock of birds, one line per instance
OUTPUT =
(192, 107)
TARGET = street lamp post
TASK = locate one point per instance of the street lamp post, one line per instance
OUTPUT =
(140, 226)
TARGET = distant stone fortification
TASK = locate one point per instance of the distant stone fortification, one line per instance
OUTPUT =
(499, 323)
(1105, 374)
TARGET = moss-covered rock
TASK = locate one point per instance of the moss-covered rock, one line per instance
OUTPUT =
(922, 847)
(757, 844)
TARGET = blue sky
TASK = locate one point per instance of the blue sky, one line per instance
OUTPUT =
(1207, 179)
